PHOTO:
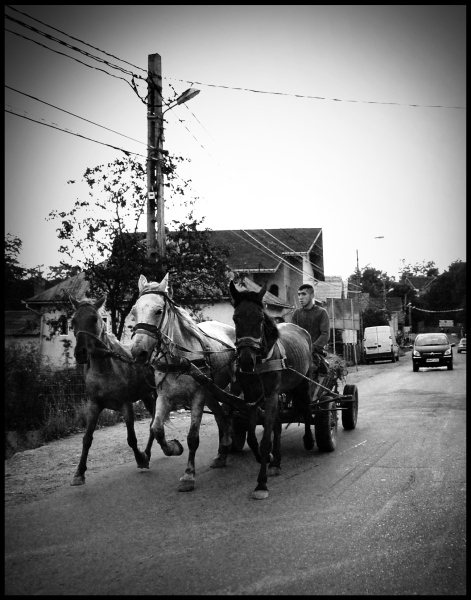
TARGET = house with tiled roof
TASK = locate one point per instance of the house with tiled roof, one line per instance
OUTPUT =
(419, 284)
(282, 258)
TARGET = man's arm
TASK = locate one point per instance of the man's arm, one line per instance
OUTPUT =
(324, 328)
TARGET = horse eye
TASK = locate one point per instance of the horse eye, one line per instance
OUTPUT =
(158, 311)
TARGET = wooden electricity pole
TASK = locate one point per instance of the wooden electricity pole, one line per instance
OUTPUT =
(155, 201)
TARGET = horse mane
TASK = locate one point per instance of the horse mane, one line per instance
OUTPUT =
(271, 329)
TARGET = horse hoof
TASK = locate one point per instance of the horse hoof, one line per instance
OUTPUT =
(186, 486)
(78, 480)
(177, 448)
(218, 462)
(260, 494)
(143, 462)
(308, 442)
(274, 471)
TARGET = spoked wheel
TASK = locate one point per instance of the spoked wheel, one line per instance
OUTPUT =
(350, 414)
(239, 435)
(325, 427)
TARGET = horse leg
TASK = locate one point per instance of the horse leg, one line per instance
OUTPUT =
(169, 448)
(251, 436)
(128, 414)
(150, 406)
(223, 421)
(187, 482)
(94, 413)
(271, 407)
(302, 399)
(274, 468)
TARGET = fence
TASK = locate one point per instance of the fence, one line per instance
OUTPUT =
(30, 397)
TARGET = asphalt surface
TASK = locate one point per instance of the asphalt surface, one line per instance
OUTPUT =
(385, 513)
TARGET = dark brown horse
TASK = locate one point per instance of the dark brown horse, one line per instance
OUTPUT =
(271, 359)
(111, 379)
(167, 337)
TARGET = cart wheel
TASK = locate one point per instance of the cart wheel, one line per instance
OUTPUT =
(350, 414)
(325, 427)
(239, 434)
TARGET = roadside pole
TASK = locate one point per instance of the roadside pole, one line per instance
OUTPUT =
(154, 169)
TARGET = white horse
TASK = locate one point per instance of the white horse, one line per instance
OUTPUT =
(166, 337)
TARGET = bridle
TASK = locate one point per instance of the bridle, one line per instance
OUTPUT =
(88, 333)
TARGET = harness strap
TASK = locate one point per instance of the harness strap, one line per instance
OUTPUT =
(273, 364)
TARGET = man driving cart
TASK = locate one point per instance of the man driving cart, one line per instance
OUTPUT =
(315, 320)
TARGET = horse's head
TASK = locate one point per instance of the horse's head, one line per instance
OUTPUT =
(87, 324)
(256, 332)
(148, 313)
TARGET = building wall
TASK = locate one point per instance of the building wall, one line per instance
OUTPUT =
(220, 311)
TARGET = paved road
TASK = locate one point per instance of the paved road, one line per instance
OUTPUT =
(383, 514)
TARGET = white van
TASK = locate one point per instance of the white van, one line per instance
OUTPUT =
(379, 343)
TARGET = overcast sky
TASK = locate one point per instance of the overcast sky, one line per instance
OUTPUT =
(380, 151)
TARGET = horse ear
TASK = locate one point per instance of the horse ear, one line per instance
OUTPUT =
(163, 285)
(233, 290)
(75, 303)
(99, 303)
(262, 292)
(142, 283)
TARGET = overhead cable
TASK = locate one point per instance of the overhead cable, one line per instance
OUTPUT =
(227, 87)
(126, 152)
(74, 115)
(131, 84)
(76, 39)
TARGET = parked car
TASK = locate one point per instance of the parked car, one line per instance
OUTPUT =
(461, 346)
(380, 344)
(432, 350)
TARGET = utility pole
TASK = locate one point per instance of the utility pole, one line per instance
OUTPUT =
(155, 200)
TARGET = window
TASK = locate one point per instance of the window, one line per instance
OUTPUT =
(273, 289)
(63, 325)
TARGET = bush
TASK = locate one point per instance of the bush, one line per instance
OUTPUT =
(22, 378)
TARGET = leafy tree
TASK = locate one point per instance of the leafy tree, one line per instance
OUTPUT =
(18, 282)
(371, 281)
(423, 269)
(448, 291)
(373, 317)
(101, 234)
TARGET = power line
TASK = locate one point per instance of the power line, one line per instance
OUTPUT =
(126, 152)
(67, 45)
(197, 82)
(227, 87)
(131, 84)
(74, 115)
(76, 39)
